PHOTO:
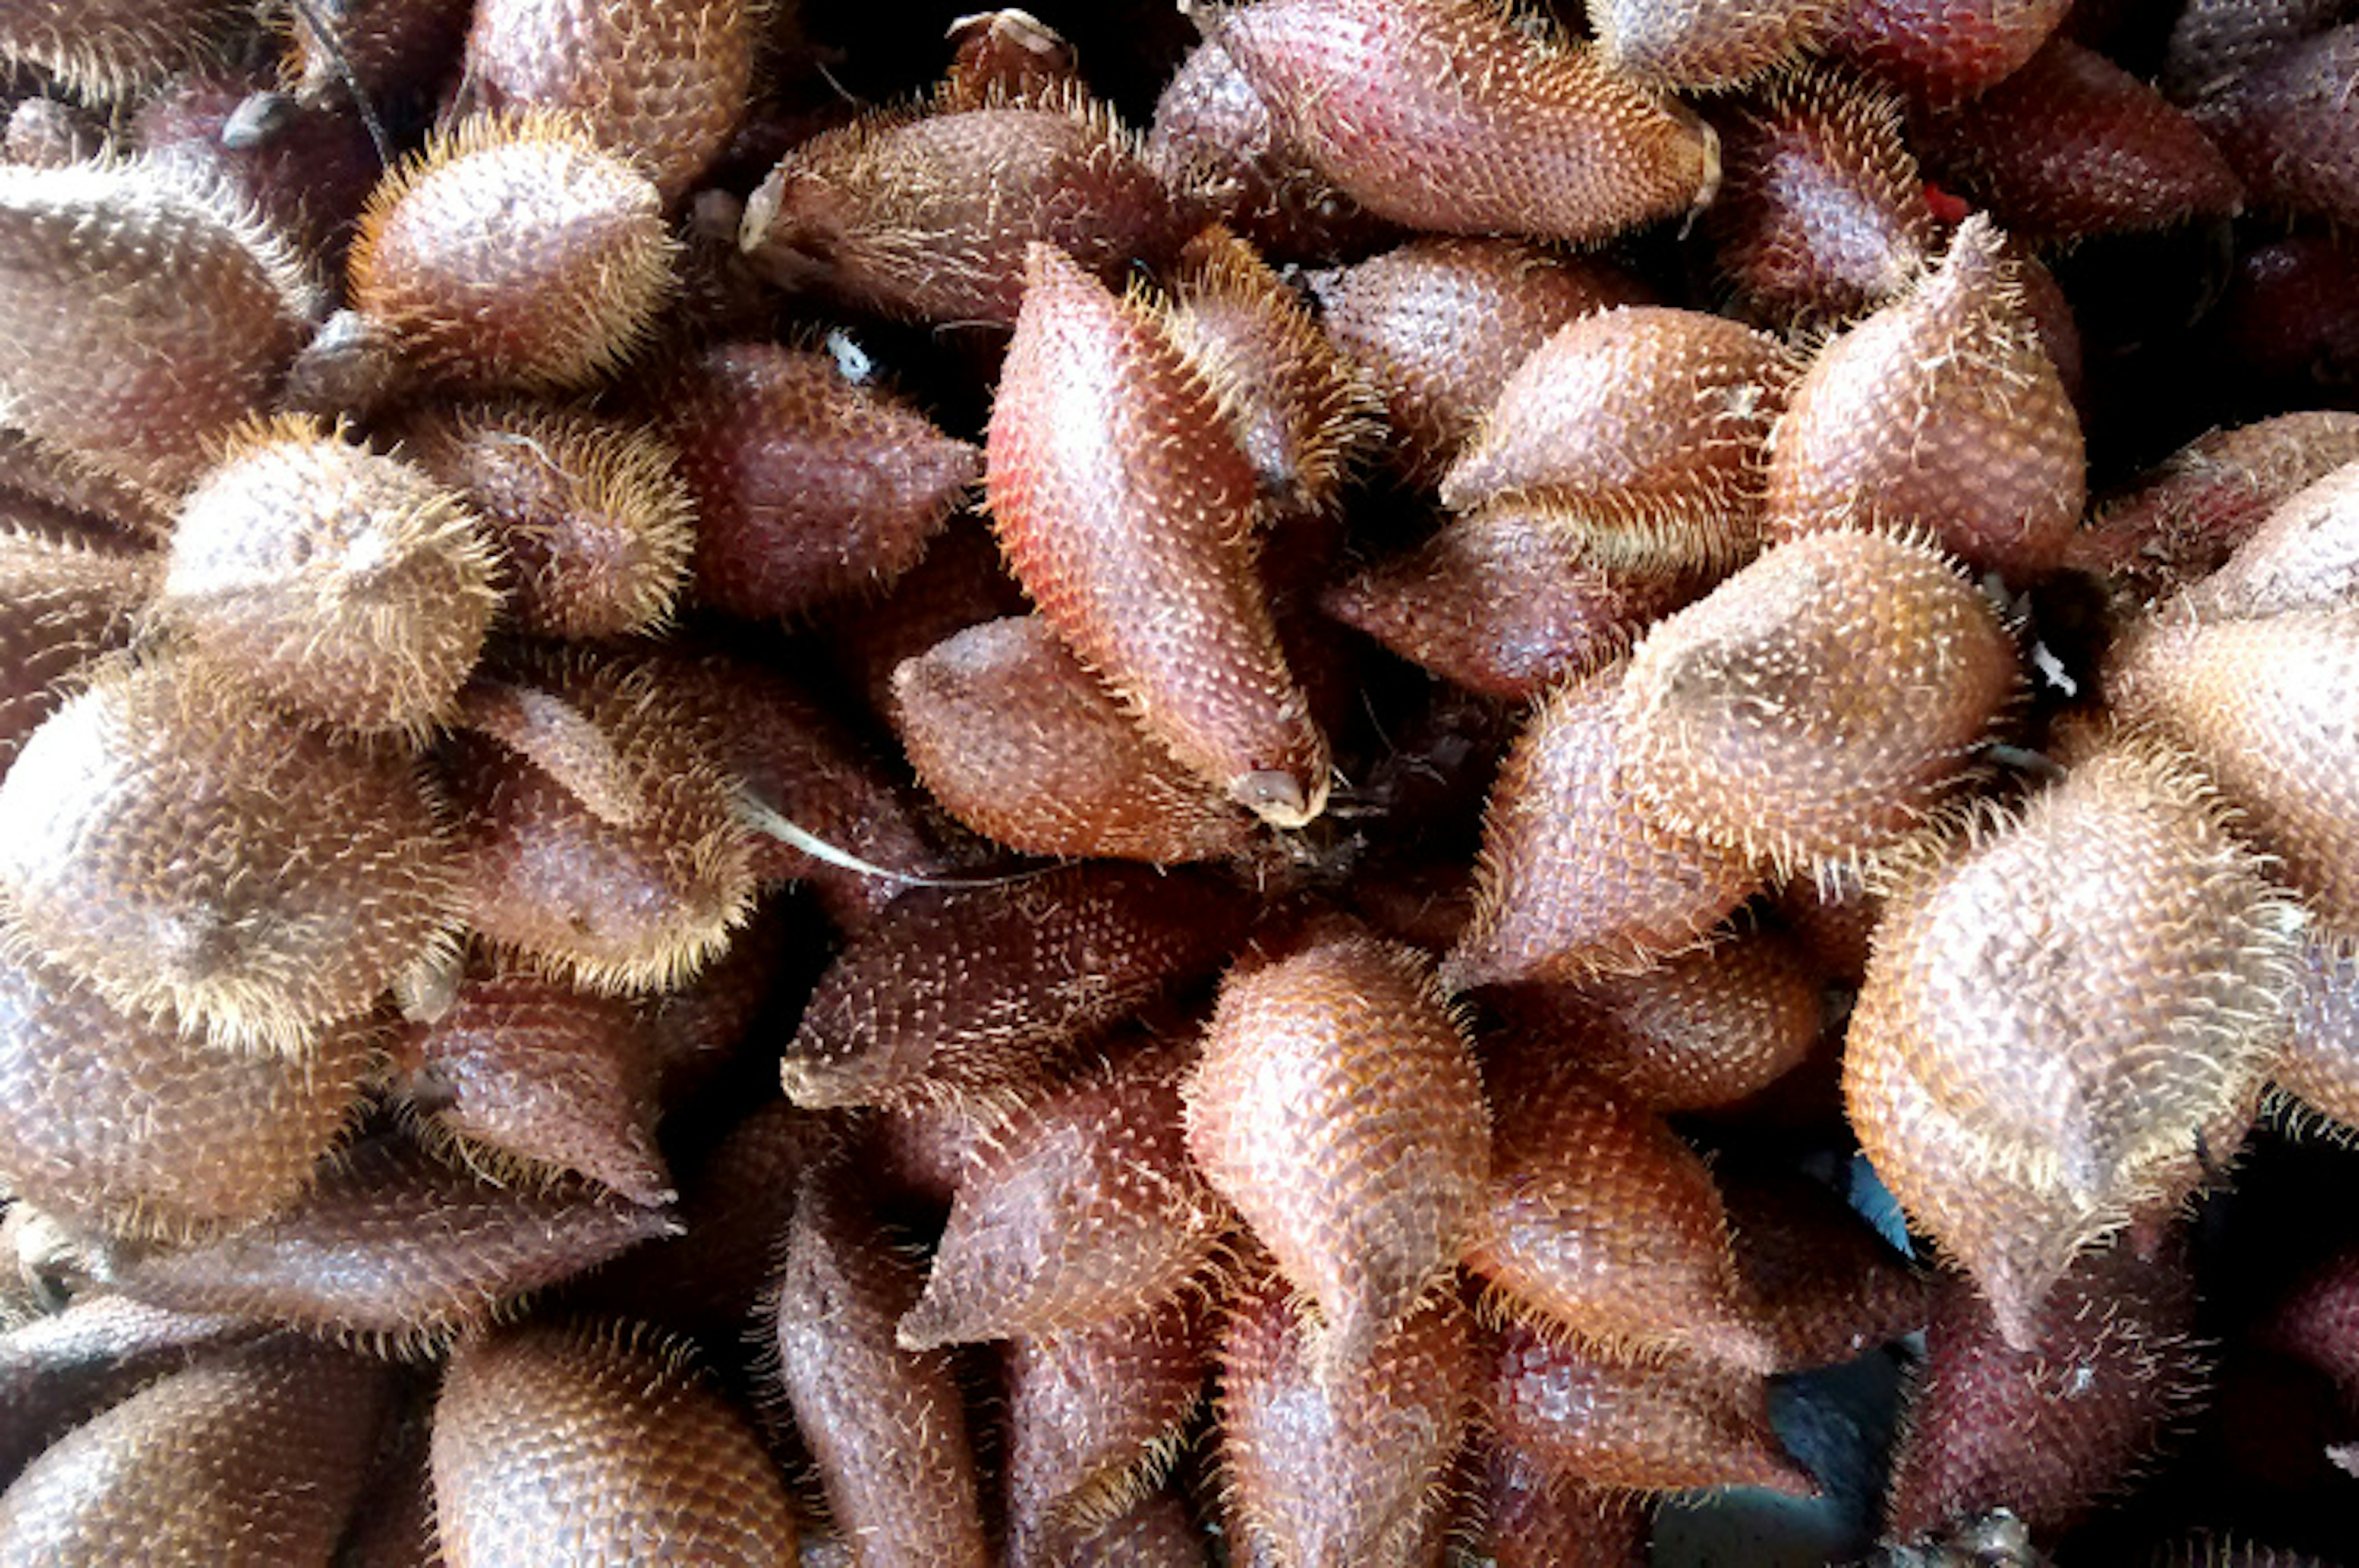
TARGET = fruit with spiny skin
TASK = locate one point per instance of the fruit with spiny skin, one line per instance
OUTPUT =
(1443, 113)
(1534, 1518)
(1943, 51)
(1438, 324)
(659, 81)
(145, 317)
(1079, 1209)
(595, 524)
(928, 216)
(2215, 42)
(2283, 129)
(175, 849)
(1125, 507)
(885, 1425)
(1601, 1222)
(305, 171)
(389, 48)
(1696, 44)
(220, 1137)
(1157, 1532)
(1338, 1107)
(807, 486)
(1940, 412)
(2320, 1061)
(2059, 1018)
(1816, 708)
(512, 254)
(1320, 1468)
(584, 1444)
(253, 1456)
(2304, 555)
(959, 993)
(343, 583)
(59, 1368)
(1575, 878)
(108, 48)
(1825, 1286)
(62, 604)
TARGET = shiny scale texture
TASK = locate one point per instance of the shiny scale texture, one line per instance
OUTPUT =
(65, 603)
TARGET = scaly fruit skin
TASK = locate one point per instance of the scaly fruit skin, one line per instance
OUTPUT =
(62, 604)
(1693, 45)
(1338, 1107)
(580, 1444)
(59, 1368)
(176, 847)
(1440, 113)
(2304, 555)
(1125, 508)
(2284, 127)
(2058, 1016)
(1944, 51)
(108, 48)
(144, 316)
(2320, 1064)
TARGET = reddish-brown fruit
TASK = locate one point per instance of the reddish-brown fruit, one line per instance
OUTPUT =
(397, 1247)
(108, 48)
(1445, 114)
(2286, 130)
(537, 1072)
(176, 849)
(48, 490)
(2318, 1321)
(1602, 1222)
(513, 253)
(1533, 1518)
(255, 1457)
(44, 133)
(885, 1425)
(62, 604)
(1094, 1416)
(1338, 1107)
(1340, 1468)
(1699, 45)
(582, 1443)
(393, 48)
(2290, 315)
(2186, 516)
(127, 1123)
(591, 512)
(304, 168)
(1941, 412)
(1816, 708)
(959, 583)
(560, 739)
(2321, 1060)
(618, 907)
(661, 82)
(1574, 879)
(1440, 324)
(343, 583)
(2072, 146)
(2304, 555)
(1943, 51)
(969, 992)
(1125, 506)
(807, 486)
(1657, 1423)
(929, 216)
(59, 1368)
(2059, 1018)
(1823, 1283)
(1013, 737)
(2048, 1428)
(2214, 43)
(1823, 216)
(1005, 56)
(1507, 602)
(1157, 1532)
(144, 316)
(1661, 413)
(1080, 1209)
(2270, 707)
(1701, 1029)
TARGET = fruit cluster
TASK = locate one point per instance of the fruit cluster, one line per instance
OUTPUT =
(760, 803)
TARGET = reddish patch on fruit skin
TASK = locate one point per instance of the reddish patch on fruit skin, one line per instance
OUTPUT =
(2284, 127)
(1125, 507)
(1533, 1518)
(1827, 1287)
(1691, 45)
(1439, 114)
(1944, 51)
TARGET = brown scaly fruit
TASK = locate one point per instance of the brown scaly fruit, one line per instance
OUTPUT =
(1320, 1468)
(2321, 1060)
(1533, 1517)
(661, 82)
(885, 1425)
(2215, 42)
(1126, 1223)
(1817, 708)
(2304, 555)
(1338, 1106)
(928, 215)
(1941, 412)
(253, 1456)
(1012, 735)
(1943, 51)
(126, 1123)
(2061, 1015)
(145, 316)
(1005, 56)
(590, 1443)
(108, 48)
(1125, 506)
(62, 604)
(177, 848)
(590, 512)
(304, 168)
(1694, 45)
(1157, 1532)
(1825, 1286)
(1575, 878)
(58, 1369)
(395, 1249)
(2282, 125)
(391, 49)
(1445, 114)
(335, 580)
(514, 253)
